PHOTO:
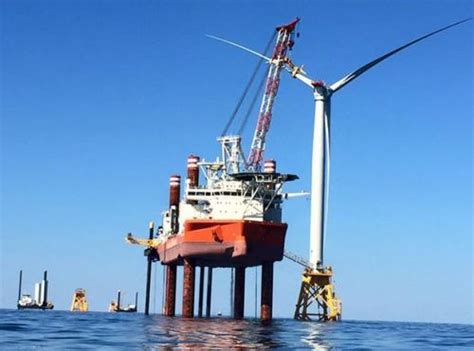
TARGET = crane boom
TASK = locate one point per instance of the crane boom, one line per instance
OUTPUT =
(283, 44)
(143, 242)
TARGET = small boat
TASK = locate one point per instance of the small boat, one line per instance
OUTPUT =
(116, 307)
(40, 300)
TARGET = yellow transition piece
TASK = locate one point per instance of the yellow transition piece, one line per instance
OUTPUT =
(317, 291)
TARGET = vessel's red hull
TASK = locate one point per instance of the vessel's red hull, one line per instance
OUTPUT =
(225, 243)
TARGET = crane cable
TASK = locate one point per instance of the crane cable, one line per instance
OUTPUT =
(247, 88)
(232, 292)
(254, 100)
(255, 291)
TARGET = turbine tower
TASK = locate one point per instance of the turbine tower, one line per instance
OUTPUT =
(316, 283)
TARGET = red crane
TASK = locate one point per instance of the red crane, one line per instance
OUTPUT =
(278, 59)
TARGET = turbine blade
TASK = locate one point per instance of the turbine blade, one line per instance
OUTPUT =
(301, 77)
(239, 46)
(327, 155)
(327, 116)
(350, 77)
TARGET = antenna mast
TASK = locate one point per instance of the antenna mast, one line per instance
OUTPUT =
(278, 60)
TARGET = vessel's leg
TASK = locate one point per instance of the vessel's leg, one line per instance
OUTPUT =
(188, 288)
(201, 290)
(209, 292)
(170, 293)
(232, 284)
(267, 292)
(239, 293)
(148, 252)
(148, 286)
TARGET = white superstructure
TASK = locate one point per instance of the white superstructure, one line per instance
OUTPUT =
(38, 291)
(229, 194)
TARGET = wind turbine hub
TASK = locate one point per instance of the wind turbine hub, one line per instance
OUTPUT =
(318, 84)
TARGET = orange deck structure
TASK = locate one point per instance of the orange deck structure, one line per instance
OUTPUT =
(215, 243)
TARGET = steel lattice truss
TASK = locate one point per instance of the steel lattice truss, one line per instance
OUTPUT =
(279, 58)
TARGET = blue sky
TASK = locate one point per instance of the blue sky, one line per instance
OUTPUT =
(102, 100)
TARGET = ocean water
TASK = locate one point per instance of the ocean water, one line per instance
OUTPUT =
(50, 330)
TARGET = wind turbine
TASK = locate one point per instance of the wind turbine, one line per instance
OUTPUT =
(321, 142)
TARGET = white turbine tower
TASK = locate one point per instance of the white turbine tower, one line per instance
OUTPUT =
(320, 172)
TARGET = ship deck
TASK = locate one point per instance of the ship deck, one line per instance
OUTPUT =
(221, 243)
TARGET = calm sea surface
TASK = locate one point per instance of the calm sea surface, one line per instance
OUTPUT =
(94, 330)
